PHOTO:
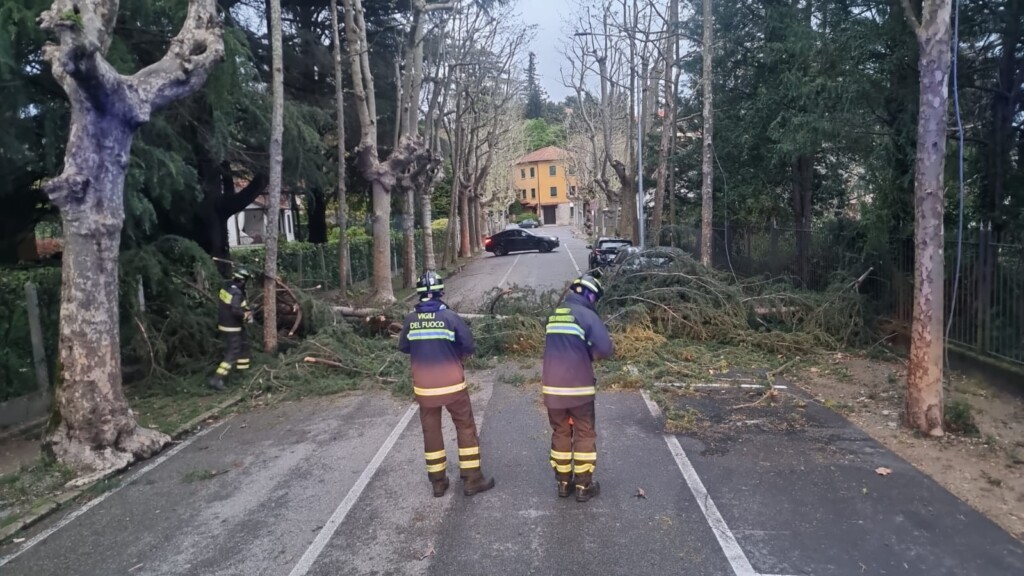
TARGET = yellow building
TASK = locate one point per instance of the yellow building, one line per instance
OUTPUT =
(544, 186)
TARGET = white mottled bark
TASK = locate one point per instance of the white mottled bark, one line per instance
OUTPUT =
(96, 431)
(924, 402)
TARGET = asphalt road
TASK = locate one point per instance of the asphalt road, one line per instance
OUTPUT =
(337, 487)
(466, 292)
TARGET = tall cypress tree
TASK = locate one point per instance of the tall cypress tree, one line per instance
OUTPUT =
(534, 96)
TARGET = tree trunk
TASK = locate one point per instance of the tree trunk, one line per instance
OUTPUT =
(668, 124)
(95, 431)
(409, 239)
(383, 291)
(801, 195)
(707, 213)
(339, 98)
(475, 223)
(465, 249)
(924, 402)
(429, 260)
(274, 190)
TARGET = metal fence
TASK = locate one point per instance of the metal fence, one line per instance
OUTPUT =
(985, 297)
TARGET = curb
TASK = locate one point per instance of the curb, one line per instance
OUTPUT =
(54, 503)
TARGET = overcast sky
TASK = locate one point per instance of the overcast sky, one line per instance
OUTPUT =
(548, 16)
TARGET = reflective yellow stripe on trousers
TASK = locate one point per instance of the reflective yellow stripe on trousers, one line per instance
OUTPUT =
(439, 391)
(572, 391)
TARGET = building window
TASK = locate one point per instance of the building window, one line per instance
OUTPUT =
(572, 190)
(524, 193)
(552, 170)
(532, 173)
(572, 211)
(554, 191)
(522, 172)
(533, 193)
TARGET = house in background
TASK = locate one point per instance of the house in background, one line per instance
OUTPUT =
(544, 186)
(248, 227)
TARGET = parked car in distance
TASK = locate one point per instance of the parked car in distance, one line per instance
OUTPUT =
(633, 259)
(604, 250)
(509, 241)
(529, 224)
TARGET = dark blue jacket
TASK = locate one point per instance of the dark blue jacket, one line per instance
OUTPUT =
(576, 337)
(232, 307)
(436, 340)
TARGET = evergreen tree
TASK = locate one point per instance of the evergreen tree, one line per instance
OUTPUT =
(534, 95)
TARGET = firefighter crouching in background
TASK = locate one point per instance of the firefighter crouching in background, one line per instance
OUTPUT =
(232, 312)
(437, 340)
(576, 337)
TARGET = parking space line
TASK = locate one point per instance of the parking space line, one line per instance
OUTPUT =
(726, 539)
(96, 502)
(573, 258)
(505, 277)
(327, 532)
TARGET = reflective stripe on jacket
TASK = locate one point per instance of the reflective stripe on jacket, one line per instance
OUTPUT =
(576, 337)
(436, 339)
(231, 308)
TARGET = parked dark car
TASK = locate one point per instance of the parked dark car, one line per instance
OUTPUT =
(519, 241)
(633, 259)
(604, 250)
(529, 224)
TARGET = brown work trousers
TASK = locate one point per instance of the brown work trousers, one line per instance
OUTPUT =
(573, 443)
(461, 411)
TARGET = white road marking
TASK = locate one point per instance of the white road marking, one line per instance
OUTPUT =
(505, 277)
(95, 502)
(573, 258)
(726, 539)
(327, 532)
(733, 553)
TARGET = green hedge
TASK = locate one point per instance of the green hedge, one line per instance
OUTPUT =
(308, 265)
(17, 375)
(178, 326)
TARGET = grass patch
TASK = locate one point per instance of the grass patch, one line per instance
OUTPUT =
(22, 490)
(512, 378)
(168, 413)
(102, 487)
(959, 418)
(839, 407)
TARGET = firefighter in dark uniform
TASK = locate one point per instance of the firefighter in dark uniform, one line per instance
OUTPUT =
(232, 312)
(436, 340)
(576, 337)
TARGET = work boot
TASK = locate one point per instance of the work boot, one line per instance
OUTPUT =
(476, 483)
(217, 383)
(440, 487)
(585, 492)
(564, 488)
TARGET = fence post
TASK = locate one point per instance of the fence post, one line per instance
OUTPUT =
(984, 287)
(325, 279)
(35, 328)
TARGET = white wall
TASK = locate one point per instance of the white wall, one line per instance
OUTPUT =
(248, 227)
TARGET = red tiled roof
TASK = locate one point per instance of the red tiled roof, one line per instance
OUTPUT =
(549, 154)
